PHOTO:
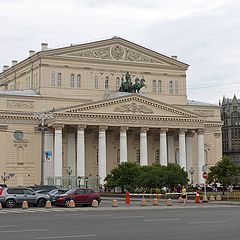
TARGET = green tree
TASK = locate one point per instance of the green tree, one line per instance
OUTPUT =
(174, 175)
(124, 176)
(225, 172)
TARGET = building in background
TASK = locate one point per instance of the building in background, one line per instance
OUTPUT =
(93, 127)
(230, 114)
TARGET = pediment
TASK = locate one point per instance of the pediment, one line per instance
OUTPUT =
(115, 49)
(131, 104)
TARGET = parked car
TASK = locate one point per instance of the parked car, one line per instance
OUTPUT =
(43, 187)
(81, 196)
(56, 192)
(3, 185)
(13, 196)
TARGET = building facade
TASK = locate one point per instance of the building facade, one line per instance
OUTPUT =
(92, 126)
(230, 113)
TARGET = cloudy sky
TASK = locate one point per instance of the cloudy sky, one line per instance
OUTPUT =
(205, 34)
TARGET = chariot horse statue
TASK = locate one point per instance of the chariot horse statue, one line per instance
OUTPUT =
(127, 86)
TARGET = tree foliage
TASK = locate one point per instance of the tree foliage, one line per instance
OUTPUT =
(130, 176)
(225, 172)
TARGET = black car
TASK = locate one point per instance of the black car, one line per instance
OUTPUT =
(55, 192)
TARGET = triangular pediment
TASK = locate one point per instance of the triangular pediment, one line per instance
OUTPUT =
(130, 104)
(117, 50)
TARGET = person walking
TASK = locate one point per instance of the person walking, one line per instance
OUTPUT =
(184, 195)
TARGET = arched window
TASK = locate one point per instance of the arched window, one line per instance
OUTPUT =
(138, 156)
(117, 83)
(106, 85)
(157, 156)
(176, 88)
(235, 118)
(224, 119)
(96, 82)
(72, 80)
(154, 86)
(171, 87)
(118, 156)
(78, 80)
(159, 86)
(52, 79)
(59, 79)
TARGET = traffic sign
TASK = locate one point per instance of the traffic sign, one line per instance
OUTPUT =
(205, 175)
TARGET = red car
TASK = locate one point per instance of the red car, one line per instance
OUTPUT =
(81, 196)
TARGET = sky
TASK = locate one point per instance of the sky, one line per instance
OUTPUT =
(204, 34)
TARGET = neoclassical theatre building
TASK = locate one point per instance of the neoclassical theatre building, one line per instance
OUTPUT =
(90, 125)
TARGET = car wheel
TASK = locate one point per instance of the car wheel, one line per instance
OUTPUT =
(66, 203)
(41, 202)
(11, 203)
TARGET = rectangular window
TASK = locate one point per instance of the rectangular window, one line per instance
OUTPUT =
(53, 79)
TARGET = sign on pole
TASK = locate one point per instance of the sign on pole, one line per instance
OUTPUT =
(205, 175)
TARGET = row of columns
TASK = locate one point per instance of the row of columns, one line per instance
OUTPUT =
(184, 152)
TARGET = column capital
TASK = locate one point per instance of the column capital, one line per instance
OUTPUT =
(81, 127)
(102, 128)
(163, 130)
(58, 126)
(144, 129)
(200, 131)
(190, 133)
(182, 130)
(124, 128)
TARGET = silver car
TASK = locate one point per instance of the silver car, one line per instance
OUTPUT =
(13, 196)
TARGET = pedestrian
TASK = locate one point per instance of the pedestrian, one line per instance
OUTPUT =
(184, 195)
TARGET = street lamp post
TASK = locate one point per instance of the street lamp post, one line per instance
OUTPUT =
(191, 171)
(42, 126)
(86, 181)
(69, 172)
(79, 181)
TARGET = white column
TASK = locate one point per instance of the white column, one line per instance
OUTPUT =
(163, 147)
(123, 144)
(58, 151)
(48, 148)
(189, 137)
(143, 147)
(200, 138)
(102, 154)
(170, 147)
(182, 149)
(81, 151)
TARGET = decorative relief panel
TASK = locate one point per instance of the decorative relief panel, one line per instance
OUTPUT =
(116, 52)
(133, 108)
(20, 104)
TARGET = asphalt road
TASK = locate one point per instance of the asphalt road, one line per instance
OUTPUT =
(202, 222)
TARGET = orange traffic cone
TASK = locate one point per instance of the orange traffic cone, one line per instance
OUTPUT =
(197, 198)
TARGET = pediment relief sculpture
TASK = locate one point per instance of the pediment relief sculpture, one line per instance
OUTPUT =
(133, 108)
(116, 52)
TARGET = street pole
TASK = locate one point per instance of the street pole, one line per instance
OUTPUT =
(42, 151)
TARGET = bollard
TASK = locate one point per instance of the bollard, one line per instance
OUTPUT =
(169, 202)
(94, 203)
(197, 198)
(0, 206)
(114, 203)
(25, 205)
(155, 202)
(218, 198)
(205, 199)
(71, 204)
(48, 204)
(212, 198)
(143, 202)
(127, 198)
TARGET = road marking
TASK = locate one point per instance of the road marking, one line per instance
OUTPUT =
(7, 226)
(163, 219)
(62, 237)
(126, 217)
(208, 222)
(26, 230)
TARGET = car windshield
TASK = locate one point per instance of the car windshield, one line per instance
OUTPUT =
(70, 191)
